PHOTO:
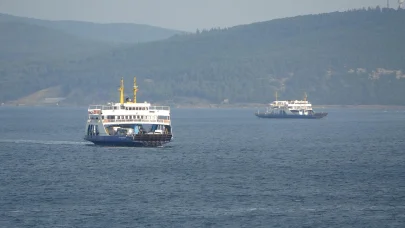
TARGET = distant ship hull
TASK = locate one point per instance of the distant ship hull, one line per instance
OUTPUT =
(291, 116)
(147, 140)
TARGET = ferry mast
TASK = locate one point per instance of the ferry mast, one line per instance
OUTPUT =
(121, 89)
(135, 90)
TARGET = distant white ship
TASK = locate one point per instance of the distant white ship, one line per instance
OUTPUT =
(293, 109)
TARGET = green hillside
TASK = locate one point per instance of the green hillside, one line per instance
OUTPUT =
(355, 57)
(28, 53)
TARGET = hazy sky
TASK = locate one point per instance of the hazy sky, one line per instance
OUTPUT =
(178, 14)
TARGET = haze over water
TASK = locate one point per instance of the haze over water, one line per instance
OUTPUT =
(225, 168)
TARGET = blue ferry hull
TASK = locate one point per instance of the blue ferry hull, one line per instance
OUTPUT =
(291, 116)
(128, 141)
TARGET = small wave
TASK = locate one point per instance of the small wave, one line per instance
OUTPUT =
(16, 211)
(44, 142)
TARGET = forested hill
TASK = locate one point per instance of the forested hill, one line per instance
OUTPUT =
(21, 42)
(110, 33)
(355, 57)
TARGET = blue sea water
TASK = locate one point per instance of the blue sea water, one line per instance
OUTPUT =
(224, 168)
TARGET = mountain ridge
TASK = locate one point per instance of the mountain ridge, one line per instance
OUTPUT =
(348, 58)
(103, 32)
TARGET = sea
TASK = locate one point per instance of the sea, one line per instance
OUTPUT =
(224, 168)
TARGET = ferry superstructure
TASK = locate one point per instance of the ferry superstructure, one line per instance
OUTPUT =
(128, 123)
(294, 109)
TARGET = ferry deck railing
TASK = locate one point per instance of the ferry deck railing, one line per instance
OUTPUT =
(135, 120)
(109, 107)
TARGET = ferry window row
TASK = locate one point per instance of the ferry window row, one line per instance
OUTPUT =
(135, 108)
(124, 108)
(137, 117)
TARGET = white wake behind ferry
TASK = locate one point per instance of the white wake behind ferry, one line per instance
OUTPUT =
(128, 123)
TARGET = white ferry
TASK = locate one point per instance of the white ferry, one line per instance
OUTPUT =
(128, 123)
(294, 109)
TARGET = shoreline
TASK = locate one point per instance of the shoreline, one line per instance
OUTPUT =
(225, 106)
